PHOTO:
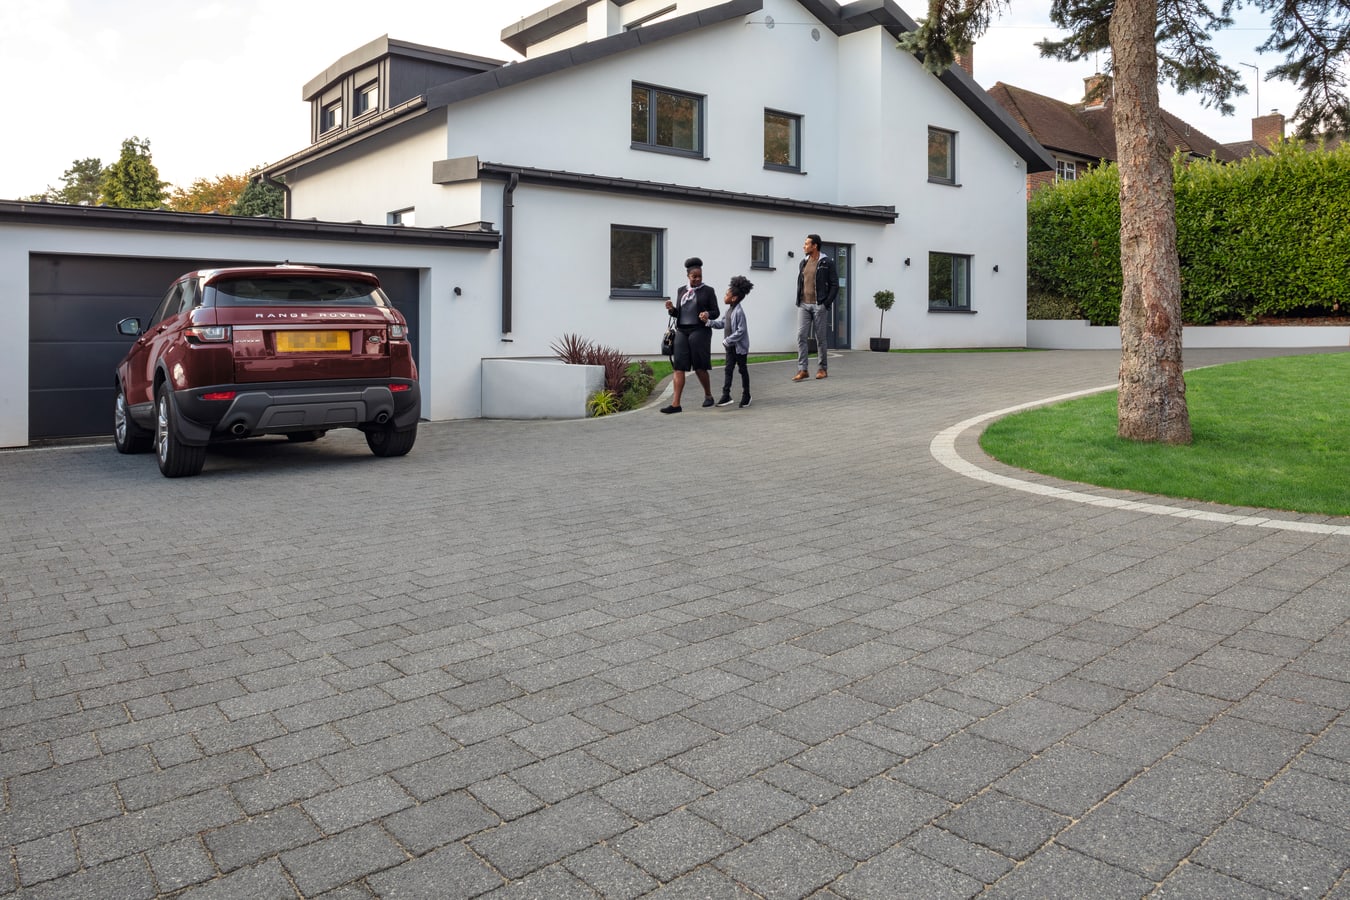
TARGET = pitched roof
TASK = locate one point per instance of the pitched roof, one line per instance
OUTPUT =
(1083, 130)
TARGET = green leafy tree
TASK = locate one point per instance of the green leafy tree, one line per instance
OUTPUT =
(260, 199)
(79, 184)
(209, 195)
(133, 181)
(1147, 40)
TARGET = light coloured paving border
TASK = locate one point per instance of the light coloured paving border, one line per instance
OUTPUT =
(943, 449)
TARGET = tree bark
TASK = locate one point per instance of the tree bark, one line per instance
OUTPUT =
(1152, 399)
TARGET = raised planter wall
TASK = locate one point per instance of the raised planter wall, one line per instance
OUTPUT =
(1079, 335)
(538, 389)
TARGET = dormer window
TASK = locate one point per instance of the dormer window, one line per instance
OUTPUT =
(367, 98)
(330, 117)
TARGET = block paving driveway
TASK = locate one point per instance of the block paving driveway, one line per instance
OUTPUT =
(779, 652)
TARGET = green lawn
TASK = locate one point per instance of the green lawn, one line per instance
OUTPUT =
(1272, 433)
(662, 367)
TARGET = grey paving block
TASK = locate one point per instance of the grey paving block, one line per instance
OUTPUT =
(1178, 704)
(1134, 735)
(181, 864)
(505, 797)
(147, 828)
(1010, 826)
(249, 842)
(451, 867)
(1031, 724)
(801, 783)
(1188, 794)
(531, 842)
(460, 768)
(651, 743)
(870, 818)
(1066, 779)
(652, 792)
(1248, 748)
(152, 789)
(898, 685)
(929, 721)
(609, 874)
(1193, 882)
(1311, 795)
(957, 853)
(704, 883)
(1272, 861)
(127, 878)
(1295, 826)
(1081, 694)
(564, 775)
(958, 767)
(355, 804)
(729, 712)
(728, 759)
(339, 859)
(846, 761)
(900, 872)
(749, 808)
(277, 789)
(439, 822)
(818, 720)
(673, 844)
(1130, 840)
(1061, 874)
(784, 863)
(45, 858)
(1305, 718)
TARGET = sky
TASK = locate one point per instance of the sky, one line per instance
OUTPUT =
(215, 85)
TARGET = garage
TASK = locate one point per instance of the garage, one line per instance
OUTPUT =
(74, 304)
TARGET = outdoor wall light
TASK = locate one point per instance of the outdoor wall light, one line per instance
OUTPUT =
(789, 254)
(906, 260)
(996, 267)
(869, 259)
(458, 292)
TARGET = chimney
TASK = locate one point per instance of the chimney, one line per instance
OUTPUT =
(1268, 129)
(1096, 90)
(966, 60)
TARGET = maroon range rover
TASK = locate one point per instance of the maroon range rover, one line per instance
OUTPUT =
(293, 350)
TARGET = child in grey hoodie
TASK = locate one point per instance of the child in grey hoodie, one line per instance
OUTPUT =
(737, 340)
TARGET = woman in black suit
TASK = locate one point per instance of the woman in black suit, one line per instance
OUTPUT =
(693, 340)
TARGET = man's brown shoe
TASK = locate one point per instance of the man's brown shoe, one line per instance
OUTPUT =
(820, 373)
(800, 376)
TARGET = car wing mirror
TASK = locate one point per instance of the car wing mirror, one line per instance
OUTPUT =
(130, 326)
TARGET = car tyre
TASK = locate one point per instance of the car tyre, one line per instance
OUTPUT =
(128, 437)
(385, 440)
(176, 459)
(304, 437)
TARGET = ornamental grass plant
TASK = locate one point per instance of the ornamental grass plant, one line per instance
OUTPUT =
(1269, 433)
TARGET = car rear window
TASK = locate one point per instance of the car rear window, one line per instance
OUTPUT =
(317, 291)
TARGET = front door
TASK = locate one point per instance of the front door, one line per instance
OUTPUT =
(839, 334)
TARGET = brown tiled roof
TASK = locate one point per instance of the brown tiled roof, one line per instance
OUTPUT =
(1076, 129)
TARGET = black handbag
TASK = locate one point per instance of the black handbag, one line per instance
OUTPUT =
(668, 340)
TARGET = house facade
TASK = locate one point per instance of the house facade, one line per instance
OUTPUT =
(636, 134)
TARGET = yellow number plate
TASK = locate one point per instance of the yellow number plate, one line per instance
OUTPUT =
(313, 341)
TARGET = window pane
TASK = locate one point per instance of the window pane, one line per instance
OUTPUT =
(676, 121)
(780, 139)
(948, 281)
(760, 252)
(641, 101)
(634, 260)
(940, 155)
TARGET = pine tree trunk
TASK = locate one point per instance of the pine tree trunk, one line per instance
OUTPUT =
(1152, 402)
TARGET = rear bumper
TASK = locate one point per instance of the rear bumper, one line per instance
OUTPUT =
(280, 408)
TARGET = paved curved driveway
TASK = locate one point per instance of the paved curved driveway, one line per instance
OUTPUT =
(776, 652)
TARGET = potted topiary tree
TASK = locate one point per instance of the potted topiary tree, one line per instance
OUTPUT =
(884, 300)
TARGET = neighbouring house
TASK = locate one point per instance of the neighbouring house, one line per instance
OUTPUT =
(636, 133)
(1081, 135)
(1268, 129)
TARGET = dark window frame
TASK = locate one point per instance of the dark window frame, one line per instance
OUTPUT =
(764, 260)
(795, 163)
(363, 93)
(955, 285)
(652, 125)
(656, 290)
(330, 117)
(950, 173)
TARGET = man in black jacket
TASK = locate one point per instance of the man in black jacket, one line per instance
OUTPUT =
(817, 288)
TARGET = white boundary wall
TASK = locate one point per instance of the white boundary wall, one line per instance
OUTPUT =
(1079, 335)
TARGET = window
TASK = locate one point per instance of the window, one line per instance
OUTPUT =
(667, 121)
(941, 156)
(331, 117)
(761, 252)
(635, 261)
(403, 217)
(782, 141)
(948, 281)
(367, 98)
(1066, 170)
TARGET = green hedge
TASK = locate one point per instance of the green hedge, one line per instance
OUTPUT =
(1266, 236)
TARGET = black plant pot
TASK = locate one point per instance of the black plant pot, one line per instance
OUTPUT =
(880, 345)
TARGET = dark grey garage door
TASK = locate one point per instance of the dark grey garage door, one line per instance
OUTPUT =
(74, 304)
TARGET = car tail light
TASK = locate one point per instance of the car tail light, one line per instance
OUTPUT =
(208, 334)
(219, 395)
(398, 388)
(397, 332)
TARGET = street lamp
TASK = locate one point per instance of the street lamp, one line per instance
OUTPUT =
(1258, 85)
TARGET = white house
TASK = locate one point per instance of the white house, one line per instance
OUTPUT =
(506, 205)
(637, 133)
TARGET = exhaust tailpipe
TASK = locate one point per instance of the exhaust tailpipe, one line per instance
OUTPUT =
(239, 429)
(381, 418)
